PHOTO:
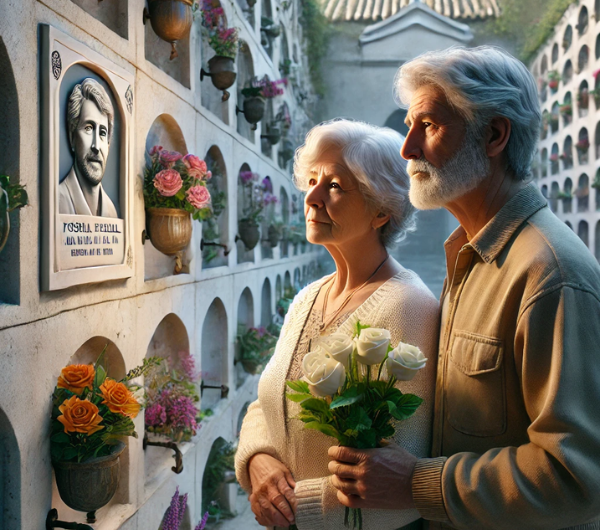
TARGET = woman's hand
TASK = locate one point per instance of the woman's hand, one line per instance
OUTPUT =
(272, 500)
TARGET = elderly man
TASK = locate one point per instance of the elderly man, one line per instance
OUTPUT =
(90, 117)
(516, 441)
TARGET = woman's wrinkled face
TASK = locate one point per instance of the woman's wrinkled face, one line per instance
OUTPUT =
(335, 209)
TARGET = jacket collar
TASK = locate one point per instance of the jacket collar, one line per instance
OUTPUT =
(80, 205)
(494, 236)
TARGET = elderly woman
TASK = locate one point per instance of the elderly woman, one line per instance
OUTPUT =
(357, 207)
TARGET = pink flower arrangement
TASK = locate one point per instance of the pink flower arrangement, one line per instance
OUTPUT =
(198, 197)
(172, 180)
(223, 40)
(247, 177)
(168, 182)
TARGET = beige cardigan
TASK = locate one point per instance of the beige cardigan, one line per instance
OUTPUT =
(405, 307)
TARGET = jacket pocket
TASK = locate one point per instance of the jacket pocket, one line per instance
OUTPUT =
(475, 394)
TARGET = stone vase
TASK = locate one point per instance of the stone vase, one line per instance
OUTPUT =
(222, 71)
(273, 236)
(249, 233)
(90, 485)
(171, 20)
(254, 109)
(170, 229)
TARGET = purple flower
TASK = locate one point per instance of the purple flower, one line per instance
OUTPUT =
(155, 415)
(267, 185)
(174, 514)
(247, 176)
(202, 523)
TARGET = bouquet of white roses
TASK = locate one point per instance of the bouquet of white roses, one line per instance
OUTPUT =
(348, 389)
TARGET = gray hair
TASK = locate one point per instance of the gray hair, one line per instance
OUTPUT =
(372, 155)
(92, 90)
(480, 84)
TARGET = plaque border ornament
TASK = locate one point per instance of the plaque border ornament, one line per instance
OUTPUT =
(70, 52)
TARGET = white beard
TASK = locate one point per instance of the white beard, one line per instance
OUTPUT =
(461, 174)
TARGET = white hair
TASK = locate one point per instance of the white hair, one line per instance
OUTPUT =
(372, 155)
(92, 90)
(480, 84)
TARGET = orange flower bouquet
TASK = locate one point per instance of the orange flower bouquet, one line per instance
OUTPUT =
(91, 411)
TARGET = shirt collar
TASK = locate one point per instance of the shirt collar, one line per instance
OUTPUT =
(494, 236)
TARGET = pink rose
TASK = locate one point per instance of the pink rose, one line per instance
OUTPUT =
(168, 182)
(196, 166)
(156, 150)
(168, 158)
(198, 197)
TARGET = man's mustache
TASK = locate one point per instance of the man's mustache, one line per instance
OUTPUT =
(90, 157)
(419, 166)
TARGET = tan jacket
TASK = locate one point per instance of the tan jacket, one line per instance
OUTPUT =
(517, 412)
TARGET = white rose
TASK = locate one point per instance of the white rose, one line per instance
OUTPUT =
(372, 345)
(324, 374)
(339, 346)
(405, 361)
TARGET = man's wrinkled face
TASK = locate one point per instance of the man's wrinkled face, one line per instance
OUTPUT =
(90, 143)
(446, 159)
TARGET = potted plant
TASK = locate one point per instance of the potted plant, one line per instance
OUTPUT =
(253, 197)
(567, 158)
(171, 20)
(583, 144)
(566, 109)
(90, 414)
(256, 345)
(12, 197)
(583, 98)
(553, 120)
(553, 80)
(174, 190)
(225, 42)
(255, 94)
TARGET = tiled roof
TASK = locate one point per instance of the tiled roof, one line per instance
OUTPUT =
(372, 10)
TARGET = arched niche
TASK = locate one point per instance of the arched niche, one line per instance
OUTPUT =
(267, 122)
(597, 242)
(554, 53)
(567, 154)
(568, 196)
(285, 217)
(266, 19)
(245, 196)
(297, 279)
(285, 63)
(245, 320)
(554, 157)
(597, 47)
(211, 97)
(269, 213)
(214, 486)
(164, 131)
(245, 73)
(287, 283)
(583, 146)
(216, 229)
(158, 52)
(266, 313)
(583, 58)
(554, 117)
(583, 20)
(278, 288)
(597, 140)
(114, 362)
(544, 191)
(214, 353)
(567, 109)
(583, 193)
(169, 338)
(10, 475)
(544, 125)
(544, 65)
(583, 99)
(544, 162)
(567, 73)
(112, 14)
(583, 232)
(554, 192)
(597, 193)
(569, 225)
(10, 143)
(567, 38)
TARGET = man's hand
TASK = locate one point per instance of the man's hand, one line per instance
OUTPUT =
(373, 478)
(272, 500)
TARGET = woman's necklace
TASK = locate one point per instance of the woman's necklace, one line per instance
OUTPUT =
(327, 321)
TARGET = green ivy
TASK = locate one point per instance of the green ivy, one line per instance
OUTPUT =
(316, 37)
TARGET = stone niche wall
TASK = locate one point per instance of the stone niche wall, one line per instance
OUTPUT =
(9, 165)
(112, 13)
(158, 52)
(245, 320)
(215, 353)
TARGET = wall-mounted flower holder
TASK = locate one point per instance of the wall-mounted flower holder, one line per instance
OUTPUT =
(171, 20)
(90, 485)
(221, 71)
(170, 230)
(274, 236)
(273, 133)
(204, 244)
(223, 388)
(287, 150)
(178, 456)
(53, 522)
(248, 233)
(254, 110)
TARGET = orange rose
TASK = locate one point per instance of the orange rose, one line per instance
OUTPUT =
(79, 415)
(119, 399)
(76, 377)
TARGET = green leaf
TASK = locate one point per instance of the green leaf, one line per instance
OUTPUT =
(100, 376)
(407, 405)
(60, 438)
(349, 397)
(69, 453)
(358, 420)
(387, 431)
(324, 428)
(366, 440)
(318, 405)
(307, 417)
(4, 181)
(298, 386)
(298, 398)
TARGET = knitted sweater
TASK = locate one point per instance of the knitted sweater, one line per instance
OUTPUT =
(405, 307)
